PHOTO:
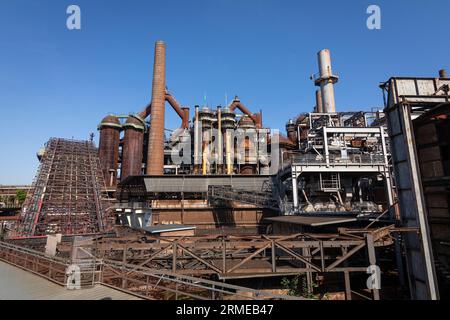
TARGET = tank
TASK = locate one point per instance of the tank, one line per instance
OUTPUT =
(133, 143)
(108, 151)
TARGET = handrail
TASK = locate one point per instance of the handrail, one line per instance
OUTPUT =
(31, 260)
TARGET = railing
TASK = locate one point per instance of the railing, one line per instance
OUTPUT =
(351, 160)
(137, 280)
(161, 284)
(317, 76)
(51, 268)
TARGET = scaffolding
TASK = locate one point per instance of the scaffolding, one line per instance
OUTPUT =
(68, 193)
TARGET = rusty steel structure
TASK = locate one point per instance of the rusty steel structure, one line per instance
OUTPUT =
(133, 144)
(349, 252)
(67, 195)
(109, 148)
(140, 281)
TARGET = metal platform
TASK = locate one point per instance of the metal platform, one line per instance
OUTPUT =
(312, 221)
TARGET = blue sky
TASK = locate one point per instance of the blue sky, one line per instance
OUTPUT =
(60, 83)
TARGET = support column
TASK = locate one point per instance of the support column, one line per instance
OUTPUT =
(325, 146)
(348, 290)
(372, 261)
(295, 190)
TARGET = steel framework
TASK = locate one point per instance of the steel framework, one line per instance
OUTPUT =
(140, 281)
(229, 257)
(67, 195)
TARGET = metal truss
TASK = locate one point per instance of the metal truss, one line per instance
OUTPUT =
(229, 257)
(67, 195)
(140, 281)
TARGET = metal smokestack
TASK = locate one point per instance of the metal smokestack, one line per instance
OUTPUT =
(319, 103)
(155, 156)
(326, 81)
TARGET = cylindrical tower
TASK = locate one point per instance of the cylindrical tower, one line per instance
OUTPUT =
(228, 125)
(219, 141)
(155, 157)
(326, 81)
(207, 119)
(108, 151)
(197, 141)
(248, 146)
(133, 144)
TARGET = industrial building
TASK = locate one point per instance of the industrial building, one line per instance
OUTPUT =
(224, 206)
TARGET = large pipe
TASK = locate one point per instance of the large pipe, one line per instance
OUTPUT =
(146, 112)
(185, 120)
(237, 104)
(155, 156)
(197, 148)
(229, 163)
(206, 152)
(176, 106)
(183, 112)
(219, 139)
(326, 81)
(319, 103)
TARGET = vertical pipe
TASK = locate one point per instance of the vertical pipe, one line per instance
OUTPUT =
(295, 191)
(325, 146)
(205, 152)
(228, 152)
(155, 157)
(319, 103)
(197, 139)
(219, 139)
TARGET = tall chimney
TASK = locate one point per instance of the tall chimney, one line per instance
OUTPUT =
(319, 103)
(443, 73)
(326, 81)
(155, 156)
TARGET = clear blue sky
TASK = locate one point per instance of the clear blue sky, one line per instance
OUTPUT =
(56, 82)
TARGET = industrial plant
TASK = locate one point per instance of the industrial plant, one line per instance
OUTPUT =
(341, 205)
